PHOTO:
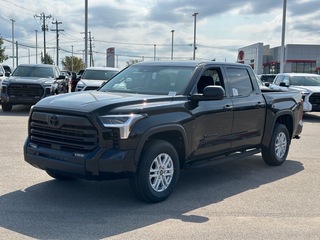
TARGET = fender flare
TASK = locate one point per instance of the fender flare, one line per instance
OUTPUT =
(267, 131)
(158, 129)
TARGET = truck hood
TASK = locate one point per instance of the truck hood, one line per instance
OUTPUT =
(31, 80)
(309, 89)
(90, 101)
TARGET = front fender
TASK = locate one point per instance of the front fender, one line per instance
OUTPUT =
(159, 129)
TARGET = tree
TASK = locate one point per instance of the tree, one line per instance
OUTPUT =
(130, 62)
(47, 59)
(76, 66)
(3, 57)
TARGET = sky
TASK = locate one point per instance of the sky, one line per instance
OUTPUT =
(142, 29)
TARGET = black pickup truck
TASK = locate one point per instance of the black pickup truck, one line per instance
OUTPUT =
(29, 83)
(155, 118)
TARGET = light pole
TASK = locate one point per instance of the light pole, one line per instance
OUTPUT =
(283, 35)
(36, 46)
(194, 35)
(154, 51)
(86, 34)
(13, 21)
(172, 32)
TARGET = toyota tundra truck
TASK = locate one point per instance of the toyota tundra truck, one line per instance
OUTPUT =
(155, 118)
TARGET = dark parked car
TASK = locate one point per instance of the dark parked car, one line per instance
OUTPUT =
(29, 83)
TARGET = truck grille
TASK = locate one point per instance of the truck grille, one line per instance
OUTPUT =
(315, 98)
(30, 90)
(63, 132)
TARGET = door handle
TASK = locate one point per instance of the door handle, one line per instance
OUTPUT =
(228, 107)
(260, 104)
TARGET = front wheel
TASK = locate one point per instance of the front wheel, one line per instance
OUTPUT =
(6, 107)
(276, 153)
(157, 173)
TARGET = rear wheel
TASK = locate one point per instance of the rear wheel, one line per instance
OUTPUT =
(157, 173)
(6, 107)
(277, 151)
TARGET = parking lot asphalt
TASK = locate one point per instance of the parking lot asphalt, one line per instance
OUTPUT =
(240, 199)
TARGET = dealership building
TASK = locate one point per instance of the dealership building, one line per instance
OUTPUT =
(297, 58)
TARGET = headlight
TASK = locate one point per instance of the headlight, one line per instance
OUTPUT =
(5, 82)
(80, 85)
(48, 84)
(304, 93)
(124, 122)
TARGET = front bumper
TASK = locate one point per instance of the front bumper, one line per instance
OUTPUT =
(99, 164)
(20, 99)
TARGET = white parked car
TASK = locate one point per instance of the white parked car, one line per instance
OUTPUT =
(93, 77)
(308, 84)
(3, 75)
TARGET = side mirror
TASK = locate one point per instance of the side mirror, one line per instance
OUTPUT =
(283, 84)
(210, 93)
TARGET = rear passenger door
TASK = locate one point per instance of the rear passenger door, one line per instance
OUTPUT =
(249, 108)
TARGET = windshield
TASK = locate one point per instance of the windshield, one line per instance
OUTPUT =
(31, 71)
(305, 80)
(150, 80)
(98, 74)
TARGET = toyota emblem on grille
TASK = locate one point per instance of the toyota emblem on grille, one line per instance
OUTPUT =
(53, 120)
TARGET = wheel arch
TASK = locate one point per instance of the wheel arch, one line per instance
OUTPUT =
(173, 133)
(283, 117)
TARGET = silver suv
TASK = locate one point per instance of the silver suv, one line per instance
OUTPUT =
(93, 77)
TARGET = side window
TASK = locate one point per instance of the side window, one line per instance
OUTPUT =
(239, 82)
(286, 80)
(279, 79)
(56, 72)
(209, 77)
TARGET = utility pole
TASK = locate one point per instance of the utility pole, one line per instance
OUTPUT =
(172, 32)
(71, 58)
(194, 35)
(90, 52)
(57, 37)
(44, 28)
(13, 21)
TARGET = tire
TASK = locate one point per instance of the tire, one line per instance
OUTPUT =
(157, 173)
(6, 107)
(276, 153)
(58, 176)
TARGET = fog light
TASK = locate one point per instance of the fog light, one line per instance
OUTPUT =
(32, 145)
(79, 155)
